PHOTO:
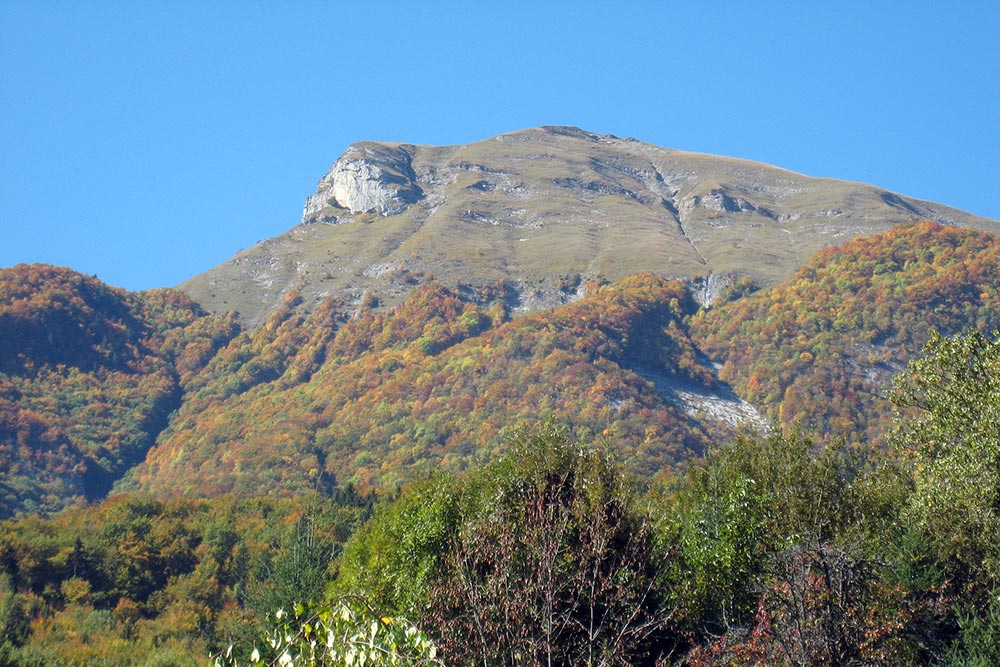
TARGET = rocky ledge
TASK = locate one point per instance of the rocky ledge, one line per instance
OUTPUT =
(367, 178)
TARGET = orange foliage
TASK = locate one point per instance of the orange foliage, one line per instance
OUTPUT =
(88, 376)
(387, 396)
(820, 349)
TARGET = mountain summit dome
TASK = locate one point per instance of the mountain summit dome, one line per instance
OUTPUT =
(541, 211)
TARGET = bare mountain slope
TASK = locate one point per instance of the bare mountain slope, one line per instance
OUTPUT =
(544, 209)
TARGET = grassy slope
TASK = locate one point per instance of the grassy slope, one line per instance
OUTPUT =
(534, 206)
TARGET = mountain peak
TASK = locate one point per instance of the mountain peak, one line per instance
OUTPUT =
(368, 177)
(540, 208)
(574, 132)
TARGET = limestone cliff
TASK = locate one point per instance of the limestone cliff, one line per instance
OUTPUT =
(367, 178)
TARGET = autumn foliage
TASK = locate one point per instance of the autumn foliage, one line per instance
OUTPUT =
(521, 487)
(89, 375)
(820, 350)
(309, 402)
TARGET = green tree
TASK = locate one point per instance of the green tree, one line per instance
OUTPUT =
(948, 434)
(751, 500)
(543, 557)
(553, 564)
(391, 559)
(978, 643)
(15, 619)
(949, 431)
(296, 570)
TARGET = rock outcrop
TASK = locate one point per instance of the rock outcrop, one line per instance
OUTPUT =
(707, 289)
(367, 178)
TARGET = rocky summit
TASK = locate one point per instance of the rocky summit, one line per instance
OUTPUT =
(540, 212)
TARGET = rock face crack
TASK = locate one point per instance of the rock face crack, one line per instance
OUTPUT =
(675, 211)
(680, 228)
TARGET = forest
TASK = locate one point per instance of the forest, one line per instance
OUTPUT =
(445, 483)
(777, 550)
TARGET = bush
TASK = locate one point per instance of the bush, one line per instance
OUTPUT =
(344, 633)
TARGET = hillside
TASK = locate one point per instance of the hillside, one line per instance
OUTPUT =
(434, 297)
(240, 460)
(543, 211)
(819, 350)
(304, 402)
(313, 400)
(88, 377)
(100, 387)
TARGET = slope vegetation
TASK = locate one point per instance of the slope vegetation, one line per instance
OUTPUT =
(88, 377)
(304, 402)
(101, 387)
(819, 350)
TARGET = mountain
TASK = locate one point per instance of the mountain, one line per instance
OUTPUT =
(542, 211)
(350, 371)
(433, 298)
(316, 401)
(275, 423)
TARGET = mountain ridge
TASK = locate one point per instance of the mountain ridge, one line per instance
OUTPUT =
(542, 208)
(410, 258)
(314, 400)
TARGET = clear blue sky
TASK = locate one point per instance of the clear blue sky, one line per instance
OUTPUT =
(145, 142)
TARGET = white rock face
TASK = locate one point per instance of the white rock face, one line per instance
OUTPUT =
(707, 289)
(720, 405)
(367, 178)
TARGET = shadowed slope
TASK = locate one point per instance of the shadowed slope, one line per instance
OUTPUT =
(88, 376)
